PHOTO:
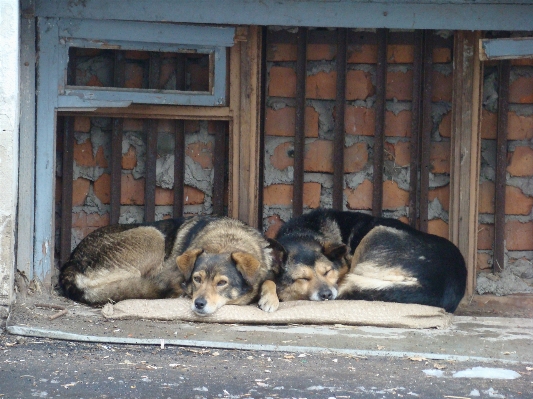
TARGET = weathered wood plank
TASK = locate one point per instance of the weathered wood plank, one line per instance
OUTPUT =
(158, 112)
(409, 14)
(465, 149)
(506, 48)
(67, 167)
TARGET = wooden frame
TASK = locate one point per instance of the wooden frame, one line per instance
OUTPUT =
(466, 149)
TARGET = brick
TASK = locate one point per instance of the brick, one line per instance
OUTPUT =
(192, 196)
(489, 123)
(282, 157)
(321, 85)
(281, 194)
(361, 197)
(358, 85)
(102, 188)
(362, 54)
(485, 236)
(486, 197)
(281, 52)
(94, 82)
(165, 126)
(317, 52)
(281, 122)
(403, 219)
(521, 90)
(393, 196)
(484, 261)
(83, 154)
(274, 223)
(442, 87)
(442, 55)
(282, 82)
(521, 162)
(133, 76)
(519, 236)
(445, 126)
(80, 189)
(132, 125)
(201, 153)
(519, 127)
(82, 124)
(319, 156)
(100, 158)
(129, 159)
(97, 220)
(132, 190)
(79, 219)
(402, 153)
(438, 227)
(400, 53)
(443, 194)
(439, 157)
(398, 125)
(136, 55)
(522, 62)
(355, 157)
(359, 121)
(516, 202)
(191, 126)
(399, 85)
(199, 75)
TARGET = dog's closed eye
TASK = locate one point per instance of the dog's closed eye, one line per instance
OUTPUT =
(197, 279)
(222, 283)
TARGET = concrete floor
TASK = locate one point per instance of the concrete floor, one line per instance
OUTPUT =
(470, 338)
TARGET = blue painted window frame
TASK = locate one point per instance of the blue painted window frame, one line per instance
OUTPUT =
(56, 35)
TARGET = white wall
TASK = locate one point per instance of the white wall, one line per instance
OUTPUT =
(9, 123)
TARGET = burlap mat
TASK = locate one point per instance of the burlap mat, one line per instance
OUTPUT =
(357, 313)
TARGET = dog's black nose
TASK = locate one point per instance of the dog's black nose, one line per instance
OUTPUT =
(199, 303)
(325, 294)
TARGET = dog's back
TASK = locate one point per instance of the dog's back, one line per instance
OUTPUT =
(390, 261)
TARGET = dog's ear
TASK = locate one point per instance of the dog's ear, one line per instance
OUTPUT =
(248, 265)
(334, 251)
(186, 262)
(279, 254)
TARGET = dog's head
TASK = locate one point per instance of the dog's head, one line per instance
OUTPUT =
(309, 270)
(213, 280)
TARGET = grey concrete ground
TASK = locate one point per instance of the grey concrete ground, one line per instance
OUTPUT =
(45, 368)
(91, 357)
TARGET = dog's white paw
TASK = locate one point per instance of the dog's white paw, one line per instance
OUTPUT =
(269, 303)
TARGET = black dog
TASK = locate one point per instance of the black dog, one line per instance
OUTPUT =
(328, 254)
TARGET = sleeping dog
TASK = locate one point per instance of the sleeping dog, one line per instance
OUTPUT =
(214, 260)
(328, 254)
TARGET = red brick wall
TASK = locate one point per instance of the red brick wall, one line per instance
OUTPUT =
(519, 188)
(359, 125)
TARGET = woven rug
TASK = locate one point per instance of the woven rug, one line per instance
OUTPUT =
(357, 313)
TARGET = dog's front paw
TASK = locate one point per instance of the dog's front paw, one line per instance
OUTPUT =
(269, 303)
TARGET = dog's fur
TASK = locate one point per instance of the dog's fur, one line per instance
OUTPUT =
(214, 260)
(387, 261)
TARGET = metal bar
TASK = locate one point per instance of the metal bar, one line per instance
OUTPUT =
(415, 128)
(425, 140)
(379, 132)
(219, 166)
(66, 187)
(504, 73)
(150, 170)
(339, 137)
(179, 168)
(179, 146)
(299, 135)
(116, 170)
(264, 37)
(116, 143)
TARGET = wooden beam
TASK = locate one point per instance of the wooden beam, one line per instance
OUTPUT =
(466, 148)
(245, 104)
(157, 112)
